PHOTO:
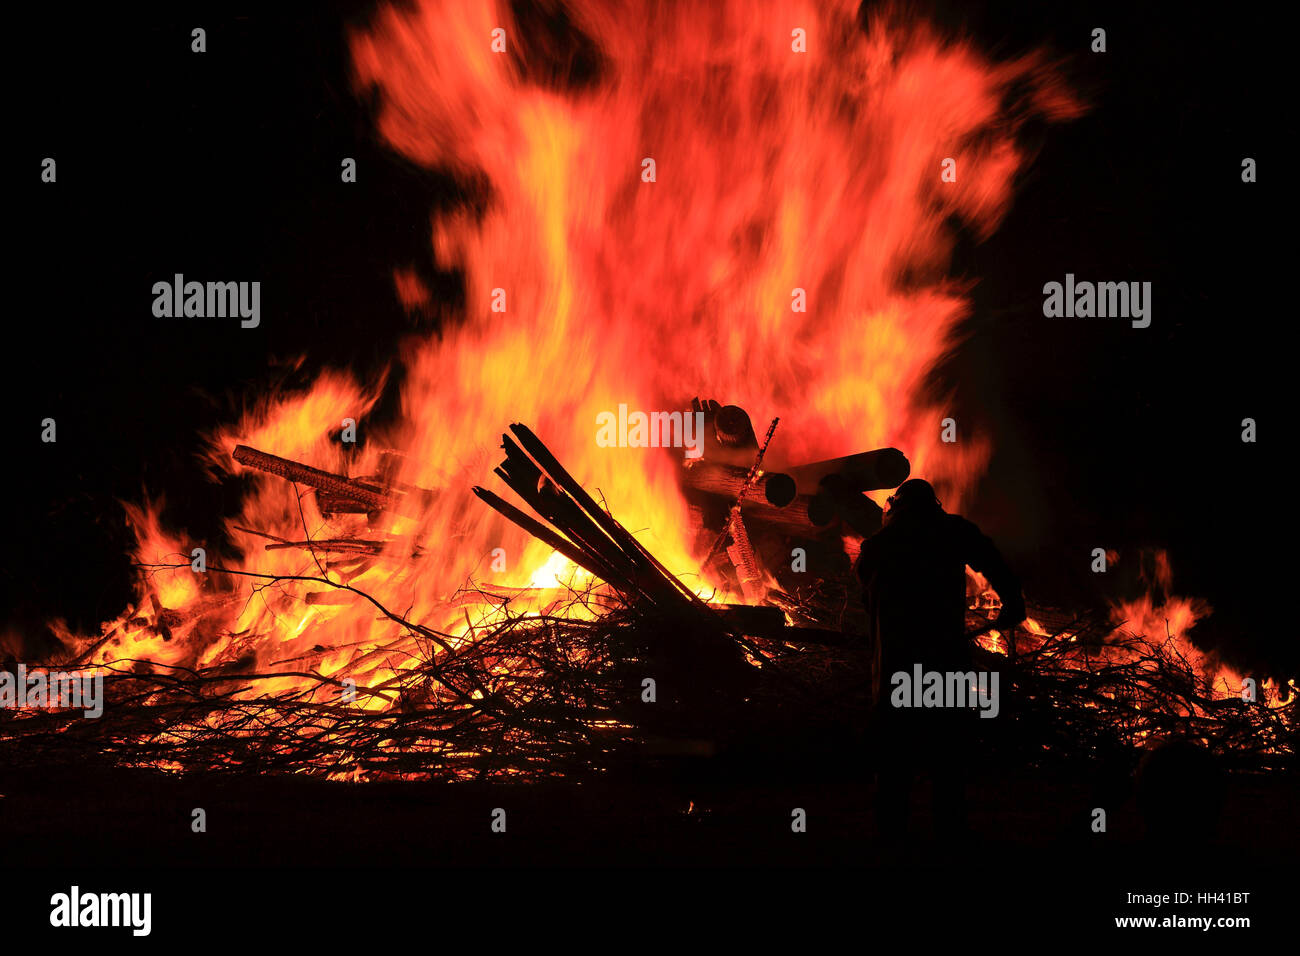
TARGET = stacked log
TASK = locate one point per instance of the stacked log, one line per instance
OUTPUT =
(817, 500)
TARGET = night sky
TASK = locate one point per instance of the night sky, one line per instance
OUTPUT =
(226, 165)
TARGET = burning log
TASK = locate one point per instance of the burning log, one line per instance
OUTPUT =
(734, 430)
(728, 435)
(726, 481)
(404, 499)
(865, 471)
(344, 546)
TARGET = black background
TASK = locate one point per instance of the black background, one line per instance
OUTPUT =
(226, 164)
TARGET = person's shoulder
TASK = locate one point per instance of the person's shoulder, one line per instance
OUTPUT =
(958, 525)
(875, 540)
(873, 545)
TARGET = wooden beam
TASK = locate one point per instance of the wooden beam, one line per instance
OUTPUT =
(410, 503)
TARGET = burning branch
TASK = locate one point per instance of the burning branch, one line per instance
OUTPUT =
(556, 695)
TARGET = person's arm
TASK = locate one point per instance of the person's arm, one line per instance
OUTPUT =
(984, 557)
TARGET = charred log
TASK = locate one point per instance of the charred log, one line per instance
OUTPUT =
(865, 471)
(409, 501)
(837, 500)
(729, 437)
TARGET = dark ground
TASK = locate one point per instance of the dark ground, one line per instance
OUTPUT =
(1030, 865)
(1026, 815)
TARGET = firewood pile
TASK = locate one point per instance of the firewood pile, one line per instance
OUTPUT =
(564, 692)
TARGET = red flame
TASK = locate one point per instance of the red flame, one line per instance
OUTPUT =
(781, 175)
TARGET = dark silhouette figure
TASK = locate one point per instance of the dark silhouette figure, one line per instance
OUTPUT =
(914, 580)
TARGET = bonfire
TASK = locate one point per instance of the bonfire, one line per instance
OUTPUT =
(717, 213)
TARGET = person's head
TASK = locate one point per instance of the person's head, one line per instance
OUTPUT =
(913, 497)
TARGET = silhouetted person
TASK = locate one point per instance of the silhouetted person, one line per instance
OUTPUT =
(914, 580)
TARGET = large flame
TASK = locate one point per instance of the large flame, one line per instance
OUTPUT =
(776, 169)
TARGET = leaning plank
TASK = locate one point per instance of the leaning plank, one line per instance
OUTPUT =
(579, 556)
(642, 559)
(411, 504)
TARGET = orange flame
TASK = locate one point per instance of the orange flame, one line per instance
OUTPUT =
(780, 175)
(1158, 617)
